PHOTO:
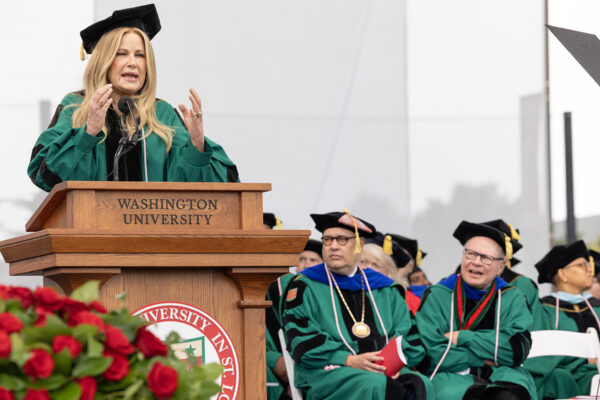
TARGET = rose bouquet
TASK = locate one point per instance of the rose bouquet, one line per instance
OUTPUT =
(71, 348)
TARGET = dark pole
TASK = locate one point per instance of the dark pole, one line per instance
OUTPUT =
(569, 172)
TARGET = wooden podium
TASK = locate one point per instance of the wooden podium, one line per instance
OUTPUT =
(201, 244)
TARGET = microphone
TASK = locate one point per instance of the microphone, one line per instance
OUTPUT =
(126, 106)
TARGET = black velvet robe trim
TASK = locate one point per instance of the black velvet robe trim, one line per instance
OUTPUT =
(375, 341)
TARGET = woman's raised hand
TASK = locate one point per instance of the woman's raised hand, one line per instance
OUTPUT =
(99, 104)
(193, 120)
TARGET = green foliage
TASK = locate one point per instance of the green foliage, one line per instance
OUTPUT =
(91, 366)
(87, 292)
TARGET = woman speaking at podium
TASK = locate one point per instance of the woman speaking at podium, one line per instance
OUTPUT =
(91, 127)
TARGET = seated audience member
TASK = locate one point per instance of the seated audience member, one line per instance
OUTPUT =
(411, 246)
(521, 282)
(337, 317)
(595, 289)
(383, 254)
(418, 281)
(277, 380)
(475, 326)
(569, 308)
(271, 221)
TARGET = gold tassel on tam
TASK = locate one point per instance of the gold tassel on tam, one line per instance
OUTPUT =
(508, 264)
(82, 52)
(592, 266)
(357, 248)
(277, 223)
(508, 247)
(513, 233)
(419, 258)
(387, 245)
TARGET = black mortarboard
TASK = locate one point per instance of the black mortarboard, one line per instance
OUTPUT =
(410, 245)
(584, 47)
(392, 248)
(271, 220)
(143, 17)
(513, 233)
(314, 245)
(558, 258)
(595, 255)
(467, 230)
(344, 220)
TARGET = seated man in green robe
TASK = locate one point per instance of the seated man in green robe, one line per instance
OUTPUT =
(475, 326)
(337, 317)
(570, 308)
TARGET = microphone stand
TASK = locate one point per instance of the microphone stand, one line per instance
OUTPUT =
(125, 143)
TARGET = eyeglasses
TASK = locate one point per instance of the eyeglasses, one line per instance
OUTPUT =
(584, 264)
(485, 259)
(342, 240)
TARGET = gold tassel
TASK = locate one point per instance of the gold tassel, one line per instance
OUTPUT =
(357, 248)
(419, 257)
(508, 264)
(277, 223)
(508, 247)
(82, 52)
(513, 233)
(387, 245)
(592, 266)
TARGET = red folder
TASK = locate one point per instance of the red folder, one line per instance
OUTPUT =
(393, 357)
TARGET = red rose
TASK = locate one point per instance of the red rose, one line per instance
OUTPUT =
(149, 344)
(5, 346)
(117, 341)
(6, 394)
(23, 294)
(88, 387)
(162, 380)
(9, 323)
(40, 365)
(87, 317)
(66, 341)
(72, 307)
(119, 367)
(48, 299)
(4, 292)
(98, 307)
(33, 394)
(41, 316)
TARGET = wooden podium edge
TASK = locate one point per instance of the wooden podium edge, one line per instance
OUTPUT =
(58, 193)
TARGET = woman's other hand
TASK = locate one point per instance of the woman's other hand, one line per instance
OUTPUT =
(99, 104)
(193, 120)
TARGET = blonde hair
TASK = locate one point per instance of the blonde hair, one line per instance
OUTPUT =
(386, 261)
(96, 76)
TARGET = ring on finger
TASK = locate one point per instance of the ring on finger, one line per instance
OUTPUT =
(199, 114)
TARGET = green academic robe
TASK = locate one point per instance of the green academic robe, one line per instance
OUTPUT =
(463, 372)
(276, 389)
(524, 284)
(563, 377)
(63, 152)
(320, 353)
